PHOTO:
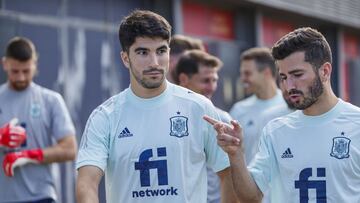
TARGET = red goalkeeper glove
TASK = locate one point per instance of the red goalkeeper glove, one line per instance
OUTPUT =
(12, 135)
(15, 159)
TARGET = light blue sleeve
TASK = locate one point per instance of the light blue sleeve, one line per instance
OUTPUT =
(62, 124)
(263, 167)
(232, 111)
(216, 158)
(224, 116)
(94, 145)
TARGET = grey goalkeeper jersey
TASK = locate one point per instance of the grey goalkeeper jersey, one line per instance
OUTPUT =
(43, 114)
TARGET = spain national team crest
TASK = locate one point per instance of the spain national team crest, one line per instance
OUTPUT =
(340, 148)
(179, 126)
(35, 110)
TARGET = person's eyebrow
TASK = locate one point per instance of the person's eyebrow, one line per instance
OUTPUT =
(141, 49)
(162, 47)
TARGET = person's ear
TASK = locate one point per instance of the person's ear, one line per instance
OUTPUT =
(325, 72)
(183, 79)
(125, 58)
(4, 63)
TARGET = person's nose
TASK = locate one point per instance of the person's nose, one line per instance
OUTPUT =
(210, 88)
(213, 86)
(20, 77)
(243, 78)
(154, 60)
(290, 84)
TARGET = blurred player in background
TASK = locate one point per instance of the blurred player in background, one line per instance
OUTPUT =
(258, 74)
(178, 45)
(198, 71)
(36, 129)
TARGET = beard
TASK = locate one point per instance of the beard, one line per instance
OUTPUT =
(290, 105)
(148, 82)
(19, 86)
(314, 92)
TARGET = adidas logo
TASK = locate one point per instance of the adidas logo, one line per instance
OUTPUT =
(125, 133)
(287, 154)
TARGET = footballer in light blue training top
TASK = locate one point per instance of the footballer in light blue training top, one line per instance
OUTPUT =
(311, 155)
(150, 140)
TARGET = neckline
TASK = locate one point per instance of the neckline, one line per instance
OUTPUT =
(325, 117)
(152, 102)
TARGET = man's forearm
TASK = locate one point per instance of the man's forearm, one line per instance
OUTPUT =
(244, 185)
(227, 190)
(87, 184)
(86, 194)
(64, 150)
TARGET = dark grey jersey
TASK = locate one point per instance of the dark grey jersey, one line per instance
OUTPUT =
(43, 114)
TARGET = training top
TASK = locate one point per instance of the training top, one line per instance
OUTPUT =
(265, 117)
(272, 113)
(153, 150)
(315, 158)
(43, 114)
(247, 112)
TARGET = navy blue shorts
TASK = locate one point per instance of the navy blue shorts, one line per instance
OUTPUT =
(48, 200)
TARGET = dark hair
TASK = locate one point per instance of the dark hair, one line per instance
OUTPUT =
(312, 42)
(190, 61)
(21, 49)
(141, 23)
(181, 43)
(262, 57)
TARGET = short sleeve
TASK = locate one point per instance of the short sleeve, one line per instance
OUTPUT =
(216, 158)
(94, 144)
(224, 116)
(263, 166)
(233, 110)
(62, 124)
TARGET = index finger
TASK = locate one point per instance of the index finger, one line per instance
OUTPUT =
(210, 120)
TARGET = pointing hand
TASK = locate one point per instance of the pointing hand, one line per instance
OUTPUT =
(229, 137)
